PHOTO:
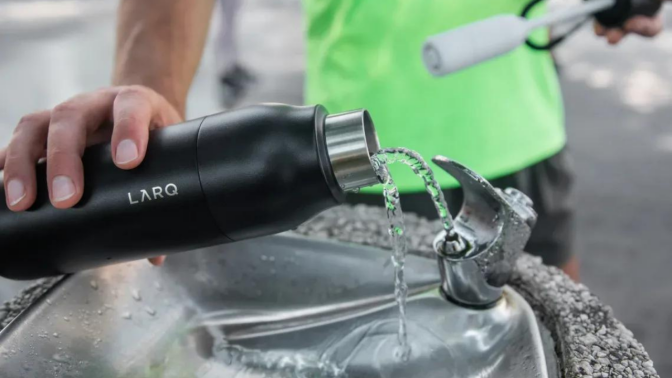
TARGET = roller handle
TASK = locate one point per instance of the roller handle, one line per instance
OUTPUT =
(471, 44)
(624, 9)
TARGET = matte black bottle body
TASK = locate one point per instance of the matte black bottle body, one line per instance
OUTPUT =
(231, 176)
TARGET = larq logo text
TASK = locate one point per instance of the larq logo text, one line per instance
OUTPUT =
(155, 193)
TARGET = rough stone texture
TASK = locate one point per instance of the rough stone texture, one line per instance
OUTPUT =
(590, 342)
(11, 309)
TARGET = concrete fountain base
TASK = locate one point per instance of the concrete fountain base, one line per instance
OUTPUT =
(590, 341)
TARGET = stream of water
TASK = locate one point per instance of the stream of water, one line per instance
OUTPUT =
(399, 250)
(381, 160)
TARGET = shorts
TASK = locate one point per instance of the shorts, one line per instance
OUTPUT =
(548, 183)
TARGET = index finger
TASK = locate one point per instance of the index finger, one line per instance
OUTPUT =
(136, 111)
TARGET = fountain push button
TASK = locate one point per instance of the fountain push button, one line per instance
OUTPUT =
(493, 226)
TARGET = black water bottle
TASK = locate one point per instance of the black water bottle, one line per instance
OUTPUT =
(231, 176)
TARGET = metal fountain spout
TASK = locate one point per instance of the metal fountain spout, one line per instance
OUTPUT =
(494, 226)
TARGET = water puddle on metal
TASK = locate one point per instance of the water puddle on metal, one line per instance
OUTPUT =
(368, 350)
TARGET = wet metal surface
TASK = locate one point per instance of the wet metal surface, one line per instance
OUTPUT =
(275, 296)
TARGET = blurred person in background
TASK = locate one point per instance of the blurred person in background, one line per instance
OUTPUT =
(503, 118)
(234, 77)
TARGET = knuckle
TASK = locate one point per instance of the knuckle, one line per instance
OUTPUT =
(64, 120)
(13, 155)
(65, 110)
(134, 91)
(65, 116)
(30, 122)
(57, 154)
(127, 121)
(20, 156)
(105, 90)
(30, 119)
(22, 128)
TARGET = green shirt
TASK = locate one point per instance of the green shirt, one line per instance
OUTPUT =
(497, 117)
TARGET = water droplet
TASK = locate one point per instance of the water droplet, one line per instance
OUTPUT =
(66, 318)
(100, 312)
(56, 334)
(61, 357)
(136, 294)
(94, 284)
(264, 257)
(158, 286)
(271, 258)
(49, 302)
(150, 311)
(126, 315)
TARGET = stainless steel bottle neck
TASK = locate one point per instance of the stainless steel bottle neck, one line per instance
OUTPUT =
(351, 141)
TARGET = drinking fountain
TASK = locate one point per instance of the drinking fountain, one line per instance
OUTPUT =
(296, 305)
(292, 305)
(470, 324)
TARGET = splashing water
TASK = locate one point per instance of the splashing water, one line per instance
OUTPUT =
(413, 159)
(395, 216)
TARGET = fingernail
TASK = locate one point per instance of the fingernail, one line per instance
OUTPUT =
(15, 191)
(63, 188)
(127, 151)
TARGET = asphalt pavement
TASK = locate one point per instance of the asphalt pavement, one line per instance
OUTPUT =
(619, 121)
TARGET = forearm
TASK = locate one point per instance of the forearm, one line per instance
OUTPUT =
(159, 45)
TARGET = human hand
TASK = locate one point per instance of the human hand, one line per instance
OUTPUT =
(124, 114)
(641, 25)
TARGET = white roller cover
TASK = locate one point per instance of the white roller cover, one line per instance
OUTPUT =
(474, 43)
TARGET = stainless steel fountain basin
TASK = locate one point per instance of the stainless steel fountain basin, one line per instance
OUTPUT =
(278, 306)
